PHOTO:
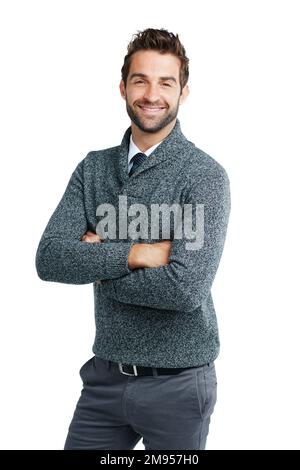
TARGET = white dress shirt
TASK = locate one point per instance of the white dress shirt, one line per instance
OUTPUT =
(133, 149)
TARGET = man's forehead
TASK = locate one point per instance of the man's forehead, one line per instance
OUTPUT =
(153, 63)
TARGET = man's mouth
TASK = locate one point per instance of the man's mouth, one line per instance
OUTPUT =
(151, 109)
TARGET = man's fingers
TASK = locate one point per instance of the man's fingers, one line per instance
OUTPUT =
(90, 237)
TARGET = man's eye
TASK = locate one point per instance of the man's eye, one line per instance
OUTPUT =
(139, 81)
(166, 84)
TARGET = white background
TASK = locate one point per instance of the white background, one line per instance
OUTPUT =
(60, 71)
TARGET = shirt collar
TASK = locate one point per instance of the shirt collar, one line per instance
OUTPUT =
(174, 145)
(133, 149)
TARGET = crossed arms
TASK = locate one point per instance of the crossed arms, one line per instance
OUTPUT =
(161, 275)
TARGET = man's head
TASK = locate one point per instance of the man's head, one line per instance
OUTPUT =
(154, 79)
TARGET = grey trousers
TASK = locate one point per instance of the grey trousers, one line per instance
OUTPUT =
(168, 412)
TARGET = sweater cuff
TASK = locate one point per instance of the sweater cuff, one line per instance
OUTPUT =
(117, 259)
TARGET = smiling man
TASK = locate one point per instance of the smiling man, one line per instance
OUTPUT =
(152, 374)
(154, 95)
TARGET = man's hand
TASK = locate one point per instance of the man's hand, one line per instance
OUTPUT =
(149, 255)
(91, 237)
(141, 255)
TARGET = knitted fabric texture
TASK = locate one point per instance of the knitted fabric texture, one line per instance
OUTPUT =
(157, 317)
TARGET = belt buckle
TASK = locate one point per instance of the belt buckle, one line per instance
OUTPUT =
(126, 373)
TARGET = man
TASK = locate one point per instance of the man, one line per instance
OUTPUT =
(152, 375)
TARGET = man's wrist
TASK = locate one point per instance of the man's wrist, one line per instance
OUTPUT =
(138, 255)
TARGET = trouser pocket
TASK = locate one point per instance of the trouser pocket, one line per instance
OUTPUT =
(84, 368)
(206, 383)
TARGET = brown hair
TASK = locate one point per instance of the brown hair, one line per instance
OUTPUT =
(162, 41)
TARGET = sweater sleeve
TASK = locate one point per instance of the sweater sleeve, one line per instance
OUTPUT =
(186, 281)
(61, 255)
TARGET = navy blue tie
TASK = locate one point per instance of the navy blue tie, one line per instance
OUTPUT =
(137, 160)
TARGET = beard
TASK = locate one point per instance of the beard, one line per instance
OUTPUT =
(145, 124)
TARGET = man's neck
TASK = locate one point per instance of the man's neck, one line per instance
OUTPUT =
(145, 140)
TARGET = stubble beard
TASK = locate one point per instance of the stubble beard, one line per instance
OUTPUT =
(161, 124)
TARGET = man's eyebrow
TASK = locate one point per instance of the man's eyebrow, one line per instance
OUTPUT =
(143, 75)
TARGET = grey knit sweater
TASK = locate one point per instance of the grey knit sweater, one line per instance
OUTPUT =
(159, 317)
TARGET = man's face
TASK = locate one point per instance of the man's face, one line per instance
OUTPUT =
(152, 92)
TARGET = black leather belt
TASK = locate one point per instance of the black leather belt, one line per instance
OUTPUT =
(134, 370)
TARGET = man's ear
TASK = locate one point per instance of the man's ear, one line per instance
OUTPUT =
(184, 94)
(122, 89)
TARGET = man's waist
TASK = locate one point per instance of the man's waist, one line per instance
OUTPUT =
(136, 370)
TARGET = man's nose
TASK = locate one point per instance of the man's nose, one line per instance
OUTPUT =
(151, 93)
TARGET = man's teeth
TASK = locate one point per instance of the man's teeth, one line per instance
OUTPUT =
(147, 107)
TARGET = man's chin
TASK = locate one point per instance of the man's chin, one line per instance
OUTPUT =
(150, 129)
(151, 125)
